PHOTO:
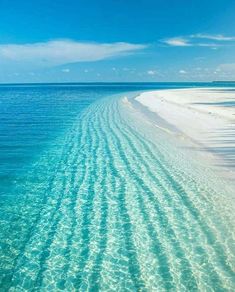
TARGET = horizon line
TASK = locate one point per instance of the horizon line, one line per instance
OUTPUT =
(112, 82)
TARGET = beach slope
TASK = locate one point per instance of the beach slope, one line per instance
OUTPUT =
(205, 116)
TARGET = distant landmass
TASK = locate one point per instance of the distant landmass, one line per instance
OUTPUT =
(223, 81)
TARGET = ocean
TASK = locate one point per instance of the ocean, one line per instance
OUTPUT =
(92, 200)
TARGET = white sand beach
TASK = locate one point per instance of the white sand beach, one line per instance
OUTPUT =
(205, 116)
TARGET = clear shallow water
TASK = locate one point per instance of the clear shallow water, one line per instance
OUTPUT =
(91, 200)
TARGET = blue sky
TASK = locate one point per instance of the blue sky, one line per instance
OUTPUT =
(118, 40)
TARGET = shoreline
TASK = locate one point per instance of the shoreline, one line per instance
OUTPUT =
(202, 118)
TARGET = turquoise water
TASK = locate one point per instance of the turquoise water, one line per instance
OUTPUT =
(94, 198)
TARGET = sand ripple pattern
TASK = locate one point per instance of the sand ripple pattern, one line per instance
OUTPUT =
(114, 213)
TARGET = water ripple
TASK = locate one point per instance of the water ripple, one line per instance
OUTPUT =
(114, 211)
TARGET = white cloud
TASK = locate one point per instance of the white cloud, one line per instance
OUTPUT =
(216, 37)
(182, 72)
(151, 72)
(66, 70)
(228, 68)
(211, 45)
(63, 51)
(177, 42)
(195, 40)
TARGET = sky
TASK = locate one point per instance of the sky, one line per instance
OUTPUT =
(116, 40)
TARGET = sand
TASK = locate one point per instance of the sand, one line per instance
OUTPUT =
(205, 116)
